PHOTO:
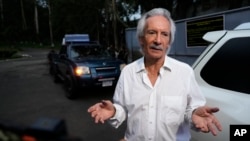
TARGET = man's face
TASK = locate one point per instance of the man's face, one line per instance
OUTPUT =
(156, 39)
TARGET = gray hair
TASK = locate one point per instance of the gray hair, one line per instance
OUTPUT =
(154, 12)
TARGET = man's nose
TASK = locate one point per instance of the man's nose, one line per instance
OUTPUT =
(158, 38)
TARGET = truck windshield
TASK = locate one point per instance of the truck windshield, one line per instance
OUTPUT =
(88, 50)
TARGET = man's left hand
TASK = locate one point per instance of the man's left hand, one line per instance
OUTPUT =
(204, 119)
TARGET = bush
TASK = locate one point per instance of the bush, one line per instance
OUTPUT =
(10, 51)
(6, 53)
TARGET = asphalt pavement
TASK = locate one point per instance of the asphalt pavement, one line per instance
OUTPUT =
(28, 93)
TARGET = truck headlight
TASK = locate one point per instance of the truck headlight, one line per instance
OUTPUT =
(82, 70)
(122, 66)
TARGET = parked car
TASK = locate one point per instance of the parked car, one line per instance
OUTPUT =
(223, 73)
(82, 63)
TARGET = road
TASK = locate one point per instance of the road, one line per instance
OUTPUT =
(27, 93)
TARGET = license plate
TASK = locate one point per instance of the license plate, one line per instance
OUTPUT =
(107, 83)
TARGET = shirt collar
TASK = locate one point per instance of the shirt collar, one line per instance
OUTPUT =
(141, 67)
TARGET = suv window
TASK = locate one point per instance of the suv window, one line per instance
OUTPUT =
(229, 68)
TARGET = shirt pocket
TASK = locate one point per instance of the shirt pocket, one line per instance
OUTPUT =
(172, 109)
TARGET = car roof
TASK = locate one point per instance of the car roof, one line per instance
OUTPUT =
(75, 38)
(214, 36)
(86, 44)
(243, 26)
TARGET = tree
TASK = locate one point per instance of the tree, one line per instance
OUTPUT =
(50, 25)
(36, 21)
(114, 23)
(24, 24)
(1, 16)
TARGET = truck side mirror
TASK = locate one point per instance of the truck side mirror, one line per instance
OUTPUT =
(63, 56)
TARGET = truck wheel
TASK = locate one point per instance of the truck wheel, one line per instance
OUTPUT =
(71, 88)
(51, 69)
(56, 78)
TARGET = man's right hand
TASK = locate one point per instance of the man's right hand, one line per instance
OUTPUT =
(102, 111)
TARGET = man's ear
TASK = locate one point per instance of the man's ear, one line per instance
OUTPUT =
(140, 39)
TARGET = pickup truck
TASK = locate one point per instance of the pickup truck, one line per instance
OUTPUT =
(223, 74)
(82, 63)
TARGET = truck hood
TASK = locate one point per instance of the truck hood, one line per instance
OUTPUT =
(98, 61)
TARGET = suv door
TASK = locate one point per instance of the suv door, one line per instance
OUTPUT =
(223, 74)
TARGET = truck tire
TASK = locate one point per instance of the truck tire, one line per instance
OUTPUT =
(70, 87)
(56, 78)
(55, 74)
(51, 72)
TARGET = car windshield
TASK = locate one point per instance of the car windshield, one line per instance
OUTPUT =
(88, 51)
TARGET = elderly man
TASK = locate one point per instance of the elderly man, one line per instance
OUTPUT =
(158, 95)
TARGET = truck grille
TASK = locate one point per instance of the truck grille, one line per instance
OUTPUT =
(106, 70)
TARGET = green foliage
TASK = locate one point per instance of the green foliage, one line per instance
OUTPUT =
(7, 52)
(94, 17)
(10, 51)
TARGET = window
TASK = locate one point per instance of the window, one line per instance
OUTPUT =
(88, 51)
(74, 53)
(229, 68)
(63, 50)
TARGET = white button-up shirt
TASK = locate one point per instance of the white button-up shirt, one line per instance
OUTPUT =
(161, 112)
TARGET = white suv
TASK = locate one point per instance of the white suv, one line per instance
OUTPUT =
(223, 73)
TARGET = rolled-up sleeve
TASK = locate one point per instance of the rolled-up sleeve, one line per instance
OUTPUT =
(119, 116)
(196, 98)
